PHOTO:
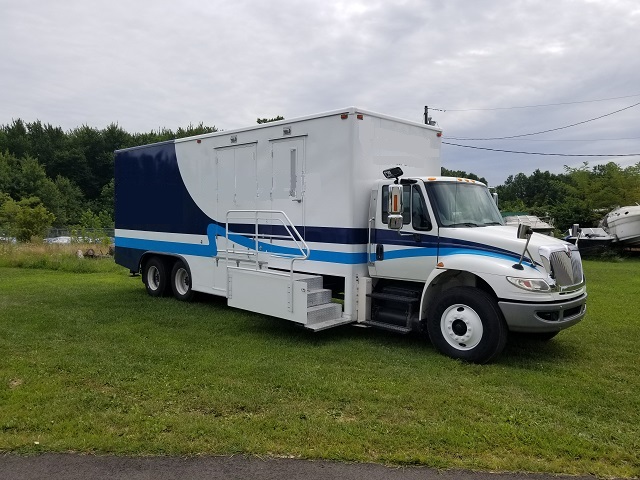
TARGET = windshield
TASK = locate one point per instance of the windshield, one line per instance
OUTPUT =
(463, 204)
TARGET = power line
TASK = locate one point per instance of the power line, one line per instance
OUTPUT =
(549, 154)
(531, 106)
(583, 140)
(546, 131)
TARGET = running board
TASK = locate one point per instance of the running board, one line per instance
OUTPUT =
(387, 326)
(316, 327)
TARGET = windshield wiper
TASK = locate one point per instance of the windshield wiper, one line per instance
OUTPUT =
(464, 224)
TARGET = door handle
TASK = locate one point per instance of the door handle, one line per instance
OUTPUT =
(380, 251)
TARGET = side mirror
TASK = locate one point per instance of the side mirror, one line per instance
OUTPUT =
(395, 222)
(395, 207)
(524, 231)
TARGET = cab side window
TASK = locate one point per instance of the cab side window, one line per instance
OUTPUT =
(419, 212)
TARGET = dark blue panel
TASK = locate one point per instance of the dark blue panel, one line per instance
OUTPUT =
(150, 194)
(128, 258)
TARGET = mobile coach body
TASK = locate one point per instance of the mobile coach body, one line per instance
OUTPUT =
(282, 217)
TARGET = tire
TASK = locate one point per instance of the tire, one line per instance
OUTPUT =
(181, 282)
(154, 276)
(466, 323)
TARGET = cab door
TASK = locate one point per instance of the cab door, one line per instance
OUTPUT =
(408, 254)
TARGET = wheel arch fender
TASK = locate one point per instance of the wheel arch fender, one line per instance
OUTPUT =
(441, 280)
(167, 258)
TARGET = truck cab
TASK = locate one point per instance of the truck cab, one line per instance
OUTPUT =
(443, 263)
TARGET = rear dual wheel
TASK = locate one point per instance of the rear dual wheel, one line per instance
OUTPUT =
(154, 276)
(157, 280)
(181, 282)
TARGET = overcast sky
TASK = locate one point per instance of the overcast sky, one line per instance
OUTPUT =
(149, 64)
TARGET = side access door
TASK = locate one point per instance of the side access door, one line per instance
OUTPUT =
(408, 254)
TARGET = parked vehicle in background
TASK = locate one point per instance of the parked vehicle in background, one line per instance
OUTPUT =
(537, 224)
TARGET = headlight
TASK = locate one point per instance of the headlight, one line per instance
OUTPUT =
(531, 284)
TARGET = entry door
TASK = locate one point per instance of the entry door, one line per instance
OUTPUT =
(287, 188)
(236, 177)
(411, 253)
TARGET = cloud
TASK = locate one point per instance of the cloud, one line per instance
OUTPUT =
(149, 64)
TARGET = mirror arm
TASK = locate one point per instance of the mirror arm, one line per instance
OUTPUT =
(527, 232)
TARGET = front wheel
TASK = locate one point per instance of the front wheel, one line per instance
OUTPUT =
(181, 282)
(466, 323)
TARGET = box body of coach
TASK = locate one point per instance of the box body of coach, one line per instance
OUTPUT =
(338, 218)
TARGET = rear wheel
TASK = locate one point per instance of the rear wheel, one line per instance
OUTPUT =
(181, 282)
(154, 276)
(466, 323)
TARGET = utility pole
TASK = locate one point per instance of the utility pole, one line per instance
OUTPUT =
(427, 118)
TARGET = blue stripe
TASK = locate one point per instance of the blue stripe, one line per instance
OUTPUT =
(424, 249)
(211, 250)
(444, 252)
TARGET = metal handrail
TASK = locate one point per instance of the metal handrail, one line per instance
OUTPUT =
(281, 219)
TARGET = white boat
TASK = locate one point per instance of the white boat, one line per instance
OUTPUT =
(624, 224)
(536, 223)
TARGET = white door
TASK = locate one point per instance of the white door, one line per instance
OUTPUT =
(411, 253)
(287, 188)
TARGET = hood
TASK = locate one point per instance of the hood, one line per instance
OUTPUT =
(499, 241)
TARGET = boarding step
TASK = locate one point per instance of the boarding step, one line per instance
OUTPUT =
(387, 326)
(314, 282)
(321, 317)
(316, 327)
(318, 297)
(322, 313)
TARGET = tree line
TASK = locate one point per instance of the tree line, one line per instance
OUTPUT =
(52, 178)
(581, 195)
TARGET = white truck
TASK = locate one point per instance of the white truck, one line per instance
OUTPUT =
(337, 218)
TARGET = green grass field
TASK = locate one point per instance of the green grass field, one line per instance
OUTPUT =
(90, 363)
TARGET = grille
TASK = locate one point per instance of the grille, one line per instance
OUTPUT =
(566, 269)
